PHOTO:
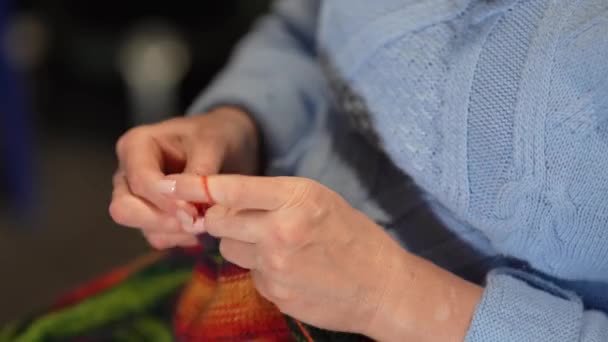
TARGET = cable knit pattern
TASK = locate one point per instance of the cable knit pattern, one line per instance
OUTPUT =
(492, 106)
(496, 109)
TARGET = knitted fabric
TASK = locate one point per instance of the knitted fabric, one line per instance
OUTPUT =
(215, 307)
(182, 295)
(131, 303)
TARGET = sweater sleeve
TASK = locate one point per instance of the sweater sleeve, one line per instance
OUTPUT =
(274, 75)
(517, 306)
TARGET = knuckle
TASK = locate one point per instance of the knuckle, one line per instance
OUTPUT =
(119, 212)
(302, 191)
(317, 211)
(129, 136)
(121, 144)
(289, 234)
(158, 242)
(137, 186)
(277, 263)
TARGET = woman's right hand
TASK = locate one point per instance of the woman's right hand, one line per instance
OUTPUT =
(223, 140)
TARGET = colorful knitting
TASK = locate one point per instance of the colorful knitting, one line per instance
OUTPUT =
(163, 297)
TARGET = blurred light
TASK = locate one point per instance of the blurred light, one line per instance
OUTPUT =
(153, 60)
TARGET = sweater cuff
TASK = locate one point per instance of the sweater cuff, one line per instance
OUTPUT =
(517, 306)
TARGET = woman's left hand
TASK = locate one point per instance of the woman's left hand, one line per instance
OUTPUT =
(310, 253)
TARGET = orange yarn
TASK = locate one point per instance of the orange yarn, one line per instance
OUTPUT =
(226, 306)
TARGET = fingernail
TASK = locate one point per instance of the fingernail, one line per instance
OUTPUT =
(165, 186)
(185, 219)
(198, 226)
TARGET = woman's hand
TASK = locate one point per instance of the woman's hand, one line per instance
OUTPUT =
(325, 263)
(310, 253)
(222, 140)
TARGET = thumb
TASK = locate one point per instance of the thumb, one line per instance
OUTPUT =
(204, 158)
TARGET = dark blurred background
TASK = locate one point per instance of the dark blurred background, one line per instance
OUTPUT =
(74, 75)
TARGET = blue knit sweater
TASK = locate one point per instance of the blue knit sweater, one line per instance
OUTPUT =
(475, 131)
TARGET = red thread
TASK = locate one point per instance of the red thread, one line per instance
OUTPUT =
(201, 208)
(207, 192)
(304, 331)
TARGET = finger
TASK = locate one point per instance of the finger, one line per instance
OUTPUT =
(204, 158)
(128, 210)
(270, 289)
(141, 158)
(236, 191)
(260, 283)
(240, 253)
(243, 225)
(165, 240)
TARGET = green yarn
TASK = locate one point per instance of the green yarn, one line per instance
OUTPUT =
(144, 329)
(135, 296)
(7, 331)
